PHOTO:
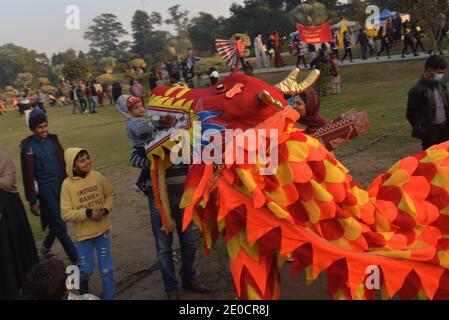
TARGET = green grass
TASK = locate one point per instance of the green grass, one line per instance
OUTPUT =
(380, 89)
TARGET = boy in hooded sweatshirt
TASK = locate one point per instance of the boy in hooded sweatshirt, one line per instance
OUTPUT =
(86, 200)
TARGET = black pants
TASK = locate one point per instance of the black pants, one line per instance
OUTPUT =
(242, 61)
(83, 104)
(347, 51)
(299, 59)
(438, 134)
(364, 51)
(213, 80)
(408, 43)
(419, 45)
(384, 47)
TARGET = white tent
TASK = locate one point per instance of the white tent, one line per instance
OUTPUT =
(350, 24)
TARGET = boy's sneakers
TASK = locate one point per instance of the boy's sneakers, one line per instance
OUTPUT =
(140, 188)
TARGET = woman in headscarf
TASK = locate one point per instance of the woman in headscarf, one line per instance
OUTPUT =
(308, 106)
(17, 247)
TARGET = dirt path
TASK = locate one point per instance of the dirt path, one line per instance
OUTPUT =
(133, 248)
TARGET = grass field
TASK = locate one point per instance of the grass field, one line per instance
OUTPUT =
(380, 89)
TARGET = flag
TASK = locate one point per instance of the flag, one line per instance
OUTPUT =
(343, 29)
(319, 34)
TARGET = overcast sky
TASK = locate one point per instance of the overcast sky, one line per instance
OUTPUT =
(40, 24)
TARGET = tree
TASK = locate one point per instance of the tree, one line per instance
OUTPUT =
(57, 72)
(291, 4)
(24, 79)
(79, 69)
(156, 41)
(105, 34)
(43, 81)
(15, 60)
(155, 18)
(178, 46)
(203, 30)
(310, 14)
(63, 57)
(143, 25)
(180, 19)
(109, 64)
(257, 16)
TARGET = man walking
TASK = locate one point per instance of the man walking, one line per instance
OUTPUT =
(427, 109)
(42, 161)
(363, 41)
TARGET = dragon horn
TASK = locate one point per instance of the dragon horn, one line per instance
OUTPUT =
(290, 86)
(266, 97)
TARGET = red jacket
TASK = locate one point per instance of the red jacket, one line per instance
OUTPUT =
(239, 47)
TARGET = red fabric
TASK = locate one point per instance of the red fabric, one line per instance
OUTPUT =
(320, 34)
(239, 47)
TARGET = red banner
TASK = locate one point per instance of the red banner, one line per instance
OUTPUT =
(315, 35)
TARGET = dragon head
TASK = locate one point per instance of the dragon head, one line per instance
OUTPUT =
(236, 102)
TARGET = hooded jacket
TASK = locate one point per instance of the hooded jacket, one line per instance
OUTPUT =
(78, 194)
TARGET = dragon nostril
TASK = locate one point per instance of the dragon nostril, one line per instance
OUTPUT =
(236, 89)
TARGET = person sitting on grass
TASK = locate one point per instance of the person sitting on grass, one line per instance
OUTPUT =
(86, 200)
(47, 281)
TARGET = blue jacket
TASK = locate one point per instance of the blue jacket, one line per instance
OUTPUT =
(41, 162)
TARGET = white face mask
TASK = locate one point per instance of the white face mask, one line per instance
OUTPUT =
(438, 77)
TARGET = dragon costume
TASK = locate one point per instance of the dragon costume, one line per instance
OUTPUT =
(309, 210)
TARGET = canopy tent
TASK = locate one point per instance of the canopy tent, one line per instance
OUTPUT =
(350, 25)
(386, 14)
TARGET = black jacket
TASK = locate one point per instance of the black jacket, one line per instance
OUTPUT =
(421, 106)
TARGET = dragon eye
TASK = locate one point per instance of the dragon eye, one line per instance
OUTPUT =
(221, 88)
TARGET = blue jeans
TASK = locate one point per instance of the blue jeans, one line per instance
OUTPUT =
(51, 215)
(87, 263)
(93, 101)
(164, 243)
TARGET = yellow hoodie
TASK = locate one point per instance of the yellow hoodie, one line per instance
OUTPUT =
(79, 194)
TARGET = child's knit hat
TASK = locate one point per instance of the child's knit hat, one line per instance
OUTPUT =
(131, 101)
